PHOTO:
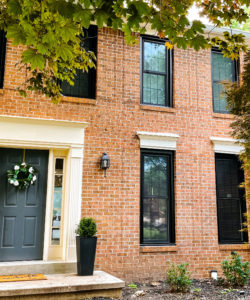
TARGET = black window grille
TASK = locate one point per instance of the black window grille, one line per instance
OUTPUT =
(157, 197)
(156, 72)
(2, 56)
(223, 69)
(85, 82)
(231, 204)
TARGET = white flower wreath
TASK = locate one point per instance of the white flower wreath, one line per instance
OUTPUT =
(22, 175)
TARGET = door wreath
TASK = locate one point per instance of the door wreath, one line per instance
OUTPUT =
(22, 175)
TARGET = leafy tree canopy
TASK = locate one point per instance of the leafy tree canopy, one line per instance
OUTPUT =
(238, 99)
(51, 30)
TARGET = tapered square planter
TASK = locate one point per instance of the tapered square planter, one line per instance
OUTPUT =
(85, 252)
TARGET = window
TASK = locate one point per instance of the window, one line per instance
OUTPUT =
(85, 82)
(157, 201)
(223, 68)
(231, 204)
(2, 56)
(156, 81)
(57, 201)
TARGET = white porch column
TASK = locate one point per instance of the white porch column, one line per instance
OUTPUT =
(74, 197)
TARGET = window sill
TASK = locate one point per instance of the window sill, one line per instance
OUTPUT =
(1, 91)
(149, 249)
(158, 108)
(223, 116)
(234, 247)
(78, 100)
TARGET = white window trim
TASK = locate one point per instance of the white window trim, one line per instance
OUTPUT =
(32, 133)
(226, 145)
(156, 140)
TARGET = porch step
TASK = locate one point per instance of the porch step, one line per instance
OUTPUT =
(64, 286)
(34, 267)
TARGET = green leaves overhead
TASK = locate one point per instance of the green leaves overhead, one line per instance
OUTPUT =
(50, 29)
(35, 59)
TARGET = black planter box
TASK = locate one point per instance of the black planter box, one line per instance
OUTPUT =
(85, 253)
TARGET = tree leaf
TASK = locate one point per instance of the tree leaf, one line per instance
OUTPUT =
(14, 7)
(36, 60)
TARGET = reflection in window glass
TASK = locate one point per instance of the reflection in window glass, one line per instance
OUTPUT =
(156, 72)
(223, 69)
(157, 218)
(57, 201)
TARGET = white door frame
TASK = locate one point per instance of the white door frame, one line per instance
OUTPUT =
(31, 133)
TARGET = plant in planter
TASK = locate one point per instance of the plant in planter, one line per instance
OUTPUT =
(86, 246)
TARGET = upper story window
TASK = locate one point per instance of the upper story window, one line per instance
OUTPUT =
(2, 56)
(223, 69)
(156, 65)
(85, 82)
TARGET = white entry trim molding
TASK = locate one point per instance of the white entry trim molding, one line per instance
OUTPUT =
(31, 133)
(156, 140)
(226, 145)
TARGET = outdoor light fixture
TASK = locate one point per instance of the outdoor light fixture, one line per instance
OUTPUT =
(105, 162)
(214, 274)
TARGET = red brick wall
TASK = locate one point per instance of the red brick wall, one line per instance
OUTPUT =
(114, 117)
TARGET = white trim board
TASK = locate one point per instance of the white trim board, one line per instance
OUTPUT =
(226, 145)
(158, 140)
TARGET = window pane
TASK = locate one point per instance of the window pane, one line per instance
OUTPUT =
(155, 176)
(57, 201)
(155, 198)
(219, 98)
(222, 70)
(154, 57)
(153, 89)
(155, 227)
(85, 82)
(230, 199)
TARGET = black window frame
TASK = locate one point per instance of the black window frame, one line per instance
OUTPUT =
(92, 31)
(3, 42)
(171, 214)
(235, 76)
(242, 196)
(168, 74)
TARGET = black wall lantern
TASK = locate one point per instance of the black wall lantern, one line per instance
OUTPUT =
(105, 162)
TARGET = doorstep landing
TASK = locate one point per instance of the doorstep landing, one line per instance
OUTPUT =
(64, 286)
(37, 266)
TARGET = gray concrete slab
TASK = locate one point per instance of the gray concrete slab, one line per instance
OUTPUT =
(63, 284)
(36, 266)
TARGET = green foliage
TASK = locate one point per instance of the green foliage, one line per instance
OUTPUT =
(235, 271)
(50, 29)
(179, 278)
(239, 105)
(86, 227)
(132, 286)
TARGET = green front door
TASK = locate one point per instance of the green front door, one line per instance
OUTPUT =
(22, 213)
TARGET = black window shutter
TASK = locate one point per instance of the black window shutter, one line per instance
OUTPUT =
(85, 82)
(230, 199)
(2, 56)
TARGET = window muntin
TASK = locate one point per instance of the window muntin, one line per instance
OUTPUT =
(157, 211)
(85, 82)
(2, 56)
(156, 82)
(231, 204)
(223, 69)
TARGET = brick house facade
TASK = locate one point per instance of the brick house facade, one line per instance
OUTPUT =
(118, 123)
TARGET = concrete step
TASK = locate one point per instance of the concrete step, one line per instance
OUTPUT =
(33, 267)
(64, 286)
